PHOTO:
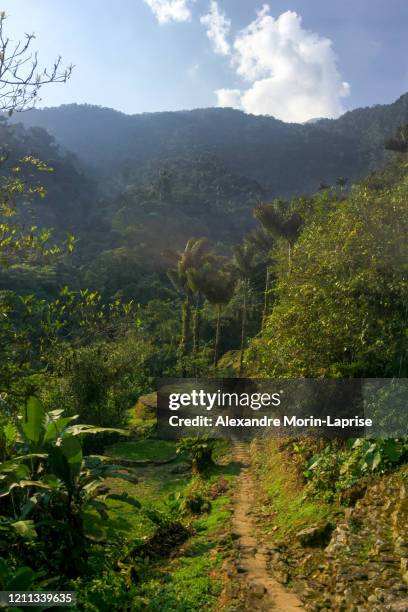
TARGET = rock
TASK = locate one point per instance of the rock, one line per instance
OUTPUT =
(352, 495)
(146, 406)
(180, 468)
(398, 606)
(380, 594)
(359, 575)
(241, 569)
(282, 576)
(257, 589)
(319, 535)
(400, 586)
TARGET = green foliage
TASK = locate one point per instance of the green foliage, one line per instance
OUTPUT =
(336, 469)
(288, 508)
(17, 579)
(342, 310)
(195, 151)
(195, 498)
(48, 484)
(201, 450)
(150, 448)
(400, 142)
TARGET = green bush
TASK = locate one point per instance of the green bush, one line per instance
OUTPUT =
(335, 469)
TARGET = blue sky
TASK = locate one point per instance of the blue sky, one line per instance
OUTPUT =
(294, 59)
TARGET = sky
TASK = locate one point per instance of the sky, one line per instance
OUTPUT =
(293, 59)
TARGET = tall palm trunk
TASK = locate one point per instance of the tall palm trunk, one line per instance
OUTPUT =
(217, 335)
(197, 326)
(243, 328)
(289, 257)
(266, 298)
(185, 330)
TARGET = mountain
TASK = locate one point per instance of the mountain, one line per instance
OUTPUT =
(129, 187)
(285, 159)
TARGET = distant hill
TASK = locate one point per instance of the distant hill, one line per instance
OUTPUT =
(129, 187)
(285, 159)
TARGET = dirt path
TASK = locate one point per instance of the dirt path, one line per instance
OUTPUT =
(265, 593)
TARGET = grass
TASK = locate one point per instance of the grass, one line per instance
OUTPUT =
(138, 422)
(153, 488)
(287, 511)
(149, 448)
(188, 584)
(189, 581)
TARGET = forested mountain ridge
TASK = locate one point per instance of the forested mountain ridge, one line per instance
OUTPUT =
(120, 235)
(71, 193)
(285, 159)
(129, 187)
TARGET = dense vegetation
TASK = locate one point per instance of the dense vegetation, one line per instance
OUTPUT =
(284, 159)
(179, 264)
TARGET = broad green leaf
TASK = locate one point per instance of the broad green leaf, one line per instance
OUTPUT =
(55, 428)
(393, 450)
(72, 450)
(33, 419)
(22, 579)
(100, 507)
(59, 466)
(24, 484)
(79, 429)
(55, 414)
(376, 460)
(25, 529)
(6, 465)
(124, 497)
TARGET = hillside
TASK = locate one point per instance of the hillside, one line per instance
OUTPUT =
(285, 159)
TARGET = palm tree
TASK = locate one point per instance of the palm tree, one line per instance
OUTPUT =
(281, 222)
(263, 243)
(197, 280)
(218, 288)
(341, 182)
(244, 261)
(192, 258)
(179, 282)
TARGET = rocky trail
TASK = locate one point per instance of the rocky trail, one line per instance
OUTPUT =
(360, 565)
(252, 586)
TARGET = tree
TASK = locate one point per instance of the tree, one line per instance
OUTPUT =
(20, 76)
(341, 182)
(216, 281)
(196, 279)
(282, 222)
(192, 258)
(264, 242)
(343, 310)
(244, 261)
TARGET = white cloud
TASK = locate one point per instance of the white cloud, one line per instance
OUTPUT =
(218, 27)
(291, 72)
(170, 10)
(229, 98)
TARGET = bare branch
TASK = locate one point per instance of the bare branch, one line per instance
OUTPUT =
(20, 78)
